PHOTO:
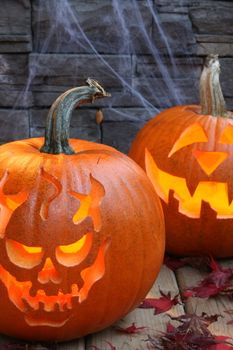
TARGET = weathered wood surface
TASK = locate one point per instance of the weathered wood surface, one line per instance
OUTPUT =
(142, 317)
(167, 281)
(189, 277)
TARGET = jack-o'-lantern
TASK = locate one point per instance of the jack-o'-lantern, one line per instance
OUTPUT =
(81, 231)
(189, 159)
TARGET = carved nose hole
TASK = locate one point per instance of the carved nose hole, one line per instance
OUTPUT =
(49, 273)
(209, 161)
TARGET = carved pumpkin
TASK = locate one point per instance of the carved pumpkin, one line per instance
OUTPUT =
(81, 231)
(189, 160)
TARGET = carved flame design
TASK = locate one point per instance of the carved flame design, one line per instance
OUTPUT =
(42, 309)
(44, 210)
(8, 204)
(89, 204)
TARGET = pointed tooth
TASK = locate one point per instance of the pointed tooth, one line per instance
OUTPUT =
(192, 185)
(230, 193)
(40, 292)
(74, 289)
(69, 304)
(49, 307)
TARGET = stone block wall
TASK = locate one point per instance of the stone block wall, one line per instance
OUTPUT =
(147, 53)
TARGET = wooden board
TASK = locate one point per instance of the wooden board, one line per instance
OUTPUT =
(167, 281)
(78, 344)
(188, 277)
(142, 317)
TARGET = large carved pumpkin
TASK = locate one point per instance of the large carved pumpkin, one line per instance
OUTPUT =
(189, 160)
(81, 231)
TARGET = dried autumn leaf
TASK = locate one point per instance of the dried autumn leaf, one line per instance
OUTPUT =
(220, 346)
(131, 329)
(230, 312)
(219, 280)
(173, 263)
(198, 262)
(191, 334)
(97, 348)
(160, 305)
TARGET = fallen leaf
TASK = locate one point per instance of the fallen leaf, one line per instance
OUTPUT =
(198, 262)
(160, 305)
(219, 280)
(131, 329)
(230, 312)
(220, 346)
(97, 348)
(192, 333)
(173, 263)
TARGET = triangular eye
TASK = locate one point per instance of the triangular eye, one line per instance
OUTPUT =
(227, 135)
(194, 133)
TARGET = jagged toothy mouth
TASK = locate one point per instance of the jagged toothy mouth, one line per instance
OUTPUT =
(19, 294)
(214, 193)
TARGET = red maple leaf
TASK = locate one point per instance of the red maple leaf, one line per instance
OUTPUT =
(230, 312)
(192, 333)
(220, 345)
(160, 305)
(131, 329)
(219, 280)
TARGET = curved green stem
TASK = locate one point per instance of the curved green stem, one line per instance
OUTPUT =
(212, 100)
(58, 120)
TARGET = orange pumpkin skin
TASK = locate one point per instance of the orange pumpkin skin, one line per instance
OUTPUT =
(54, 283)
(189, 160)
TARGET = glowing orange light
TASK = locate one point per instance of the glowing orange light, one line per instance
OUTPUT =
(89, 204)
(93, 273)
(209, 161)
(227, 135)
(8, 204)
(214, 193)
(23, 256)
(49, 273)
(32, 250)
(19, 292)
(194, 133)
(74, 254)
(74, 247)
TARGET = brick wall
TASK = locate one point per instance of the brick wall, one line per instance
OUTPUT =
(147, 53)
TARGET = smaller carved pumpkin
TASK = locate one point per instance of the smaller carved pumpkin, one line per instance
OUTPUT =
(81, 231)
(189, 160)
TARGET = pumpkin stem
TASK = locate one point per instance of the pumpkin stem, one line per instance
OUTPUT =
(212, 100)
(58, 120)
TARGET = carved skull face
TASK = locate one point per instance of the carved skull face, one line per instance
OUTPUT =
(203, 161)
(45, 280)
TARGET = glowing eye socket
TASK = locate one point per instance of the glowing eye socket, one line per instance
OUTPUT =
(22, 255)
(32, 250)
(73, 254)
(194, 133)
(74, 247)
(227, 135)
